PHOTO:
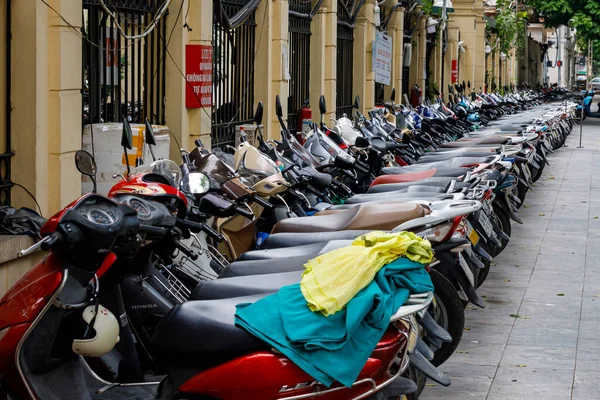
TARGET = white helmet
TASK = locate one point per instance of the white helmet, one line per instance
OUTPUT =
(106, 327)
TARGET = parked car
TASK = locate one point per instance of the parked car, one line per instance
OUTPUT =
(595, 83)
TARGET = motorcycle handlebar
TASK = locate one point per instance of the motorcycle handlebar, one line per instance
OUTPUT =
(197, 227)
(262, 202)
(244, 212)
(192, 255)
(153, 230)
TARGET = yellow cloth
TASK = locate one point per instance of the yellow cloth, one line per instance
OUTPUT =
(331, 280)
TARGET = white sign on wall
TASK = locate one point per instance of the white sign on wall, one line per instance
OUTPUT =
(382, 58)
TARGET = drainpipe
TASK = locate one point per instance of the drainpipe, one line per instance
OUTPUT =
(444, 43)
(8, 80)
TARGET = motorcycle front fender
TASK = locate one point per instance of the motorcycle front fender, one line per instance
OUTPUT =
(418, 361)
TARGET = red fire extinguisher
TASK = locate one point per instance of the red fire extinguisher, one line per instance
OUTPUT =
(304, 121)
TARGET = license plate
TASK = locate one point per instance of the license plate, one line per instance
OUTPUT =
(485, 223)
(473, 236)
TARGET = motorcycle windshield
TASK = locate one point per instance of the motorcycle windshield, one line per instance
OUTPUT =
(166, 168)
(258, 163)
(214, 168)
(300, 152)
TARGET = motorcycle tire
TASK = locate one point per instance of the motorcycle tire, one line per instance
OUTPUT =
(485, 271)
(503, 221)
(538, 174)
(449, 313)
(521, 193)
(417, 377)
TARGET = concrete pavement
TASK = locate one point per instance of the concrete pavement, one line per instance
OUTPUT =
(538, 336)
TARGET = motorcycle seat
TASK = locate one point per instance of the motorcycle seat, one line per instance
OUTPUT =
(409, 177)
(205, 328)
(412, 193)
(441, 156)
(365, 217)
(399, 197)
(265, 266)
(441, 182)
(468, 149)
(484, 140)
(465, 144)
(453, 171)
(459, 161)
(278, 240)
(308, 250)
(244, 285)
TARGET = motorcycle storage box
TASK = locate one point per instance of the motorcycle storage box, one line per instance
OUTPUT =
(109, 155)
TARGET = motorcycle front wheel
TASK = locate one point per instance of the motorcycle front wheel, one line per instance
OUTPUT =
(449, 313)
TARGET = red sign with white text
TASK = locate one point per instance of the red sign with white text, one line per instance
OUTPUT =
(454, 71)
(198, 74)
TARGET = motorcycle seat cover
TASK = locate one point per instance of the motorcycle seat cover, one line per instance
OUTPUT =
(244, 285)
(364, 217)
(411, 193)
(264, 266)
(408, 177)
(387, 187)
(459, 161)
(439, 171)
(201, 328)
(485, 140)
(297, 239)
(473, 144)
(307, 250)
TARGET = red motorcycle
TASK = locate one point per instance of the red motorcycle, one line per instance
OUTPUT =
(64, 314)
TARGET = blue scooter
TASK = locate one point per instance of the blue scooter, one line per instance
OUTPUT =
(586, 105)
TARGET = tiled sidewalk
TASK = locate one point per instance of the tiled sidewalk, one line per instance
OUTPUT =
(548, 276)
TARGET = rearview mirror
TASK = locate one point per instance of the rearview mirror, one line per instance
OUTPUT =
(393, 95)
(278, 109)
(400, 121)
(195, 183)
(86, 164)
(469, 84)
(258, 115)
(361, 142)
(126, 137)
(149, 134)
(356, 102)
(473, 96)
(322, 105)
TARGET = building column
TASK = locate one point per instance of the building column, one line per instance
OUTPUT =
(479, 52)
(419, 51)
(363, 76)
(323, 57)
(271, 38)
(395, 29)
(46, 132)
(186, 124)
(451, 54)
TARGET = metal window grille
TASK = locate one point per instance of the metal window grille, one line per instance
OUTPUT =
(299, 60)
(345, 56)
(233, 76)
(123, 78)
